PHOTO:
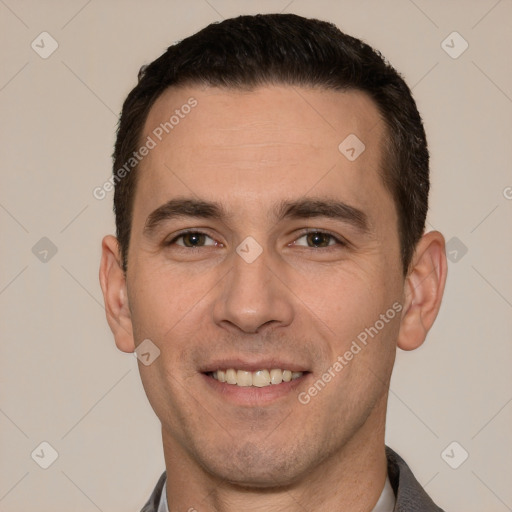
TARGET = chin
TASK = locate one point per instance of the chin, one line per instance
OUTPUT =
(255, 466)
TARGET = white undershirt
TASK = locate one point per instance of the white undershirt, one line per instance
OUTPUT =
(386, 501)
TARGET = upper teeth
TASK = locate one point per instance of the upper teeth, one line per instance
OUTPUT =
(259, 378)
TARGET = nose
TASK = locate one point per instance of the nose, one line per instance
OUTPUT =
(254, 295)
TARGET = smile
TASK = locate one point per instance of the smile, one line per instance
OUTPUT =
(259, 378)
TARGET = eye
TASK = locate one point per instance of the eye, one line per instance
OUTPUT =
(319, 240)
(191, 239)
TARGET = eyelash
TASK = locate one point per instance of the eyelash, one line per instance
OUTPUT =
(338, 240)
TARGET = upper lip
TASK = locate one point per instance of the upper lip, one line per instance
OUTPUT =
(253, 366)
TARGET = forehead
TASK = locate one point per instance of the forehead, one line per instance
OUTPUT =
(253, 147)
(317, 118)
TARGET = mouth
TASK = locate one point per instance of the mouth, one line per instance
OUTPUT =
(259, 378)
(255, 383)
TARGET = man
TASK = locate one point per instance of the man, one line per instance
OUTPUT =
(271, 187)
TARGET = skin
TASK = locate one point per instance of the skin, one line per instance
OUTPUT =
(296, 302)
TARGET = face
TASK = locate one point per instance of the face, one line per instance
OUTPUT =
(257, 245)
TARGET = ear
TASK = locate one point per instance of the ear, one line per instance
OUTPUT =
(423, 290)
(113, 285)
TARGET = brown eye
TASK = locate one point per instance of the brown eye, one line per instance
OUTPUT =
(318, 239)
(191, 239)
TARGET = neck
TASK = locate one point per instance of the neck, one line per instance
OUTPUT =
(350, 479)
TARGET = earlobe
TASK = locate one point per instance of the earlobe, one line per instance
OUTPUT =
(424, 287)
(113, 286)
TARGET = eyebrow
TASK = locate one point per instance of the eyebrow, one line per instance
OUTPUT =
(304, 208)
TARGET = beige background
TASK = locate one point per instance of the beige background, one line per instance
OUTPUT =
(63, 381)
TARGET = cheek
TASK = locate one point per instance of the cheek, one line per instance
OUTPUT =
(349, 298)
(161, 298)
(361, 311)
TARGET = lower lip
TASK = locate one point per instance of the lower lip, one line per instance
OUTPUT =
(252, 395)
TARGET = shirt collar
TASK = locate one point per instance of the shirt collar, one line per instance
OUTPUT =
(386, 501)
(162, 505)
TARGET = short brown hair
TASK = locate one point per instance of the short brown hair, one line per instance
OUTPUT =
(285, 49)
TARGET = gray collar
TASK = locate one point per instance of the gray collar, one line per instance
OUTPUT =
(410, 496)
